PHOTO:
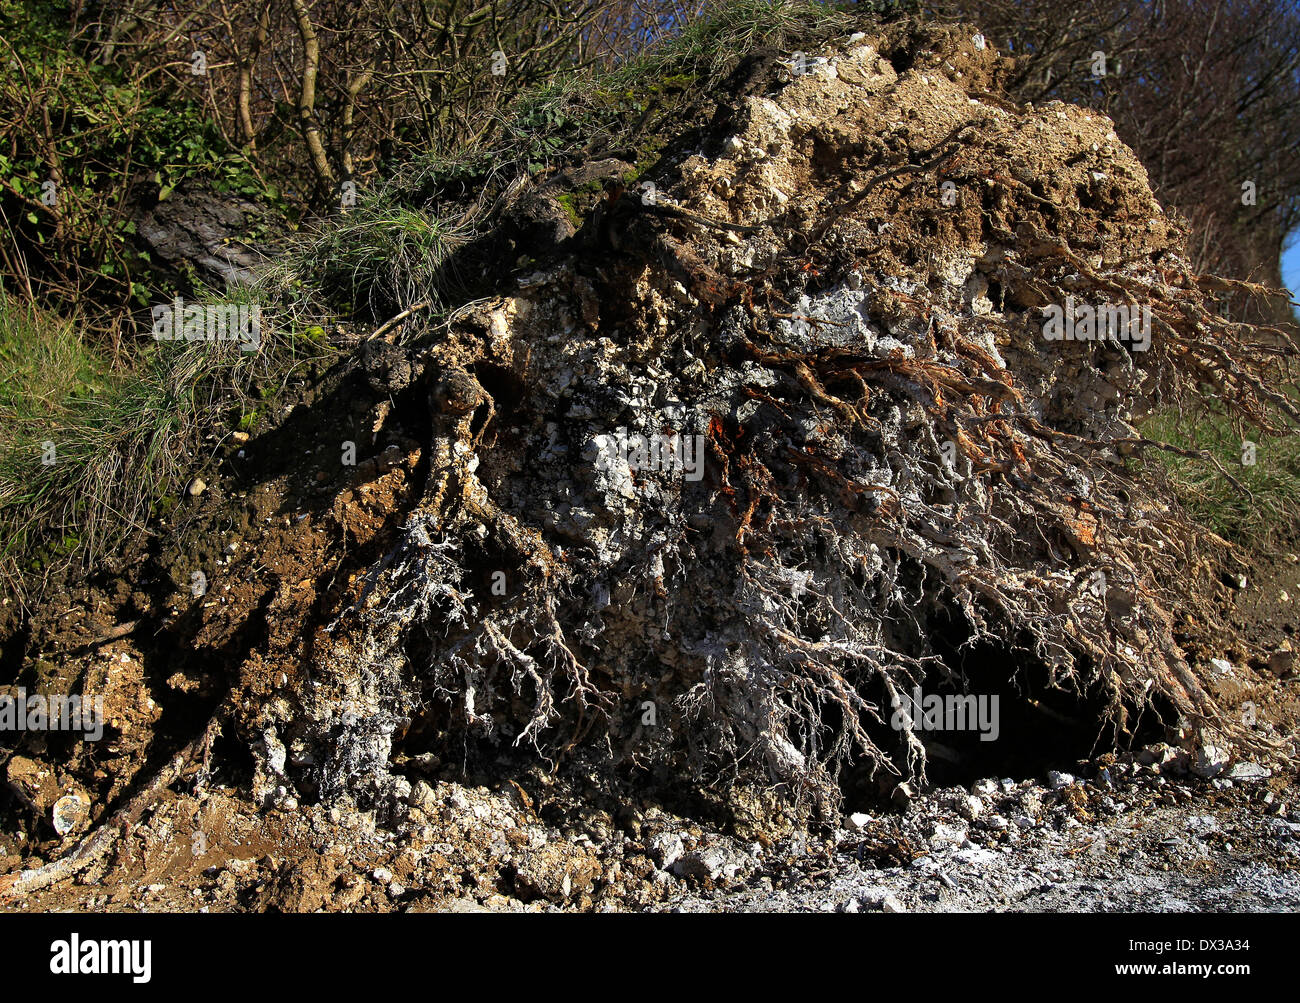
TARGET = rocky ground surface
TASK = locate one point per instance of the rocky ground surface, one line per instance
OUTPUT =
(1132, 840)
(1141, 833)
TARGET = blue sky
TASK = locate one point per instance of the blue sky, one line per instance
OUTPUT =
(1291, 266)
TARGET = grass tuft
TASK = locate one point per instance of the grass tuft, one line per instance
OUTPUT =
(88, 452)
(1270, 515)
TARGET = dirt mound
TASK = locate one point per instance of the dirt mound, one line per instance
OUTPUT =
(820, 414)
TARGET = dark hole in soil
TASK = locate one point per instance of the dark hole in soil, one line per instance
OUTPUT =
(12, 652)
(1030, 726)
(232, 760)
(505, 388)
(901, 59)
(999, 717)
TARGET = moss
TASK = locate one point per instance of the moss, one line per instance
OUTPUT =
(570, 208)
(677, 81)
(250, 420)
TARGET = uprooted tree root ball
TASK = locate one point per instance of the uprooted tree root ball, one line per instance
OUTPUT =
(764, 447)
(747, 480)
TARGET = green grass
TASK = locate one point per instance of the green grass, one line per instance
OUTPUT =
(124, 442)
(1272, 511)
(379, 254)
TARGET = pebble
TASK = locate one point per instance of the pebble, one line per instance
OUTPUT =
(664, 849)
(1057, 780)
(947, 835)
(969, 807)
(859, 821)
(1210, 761)
(68, 813)
(708, 863)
